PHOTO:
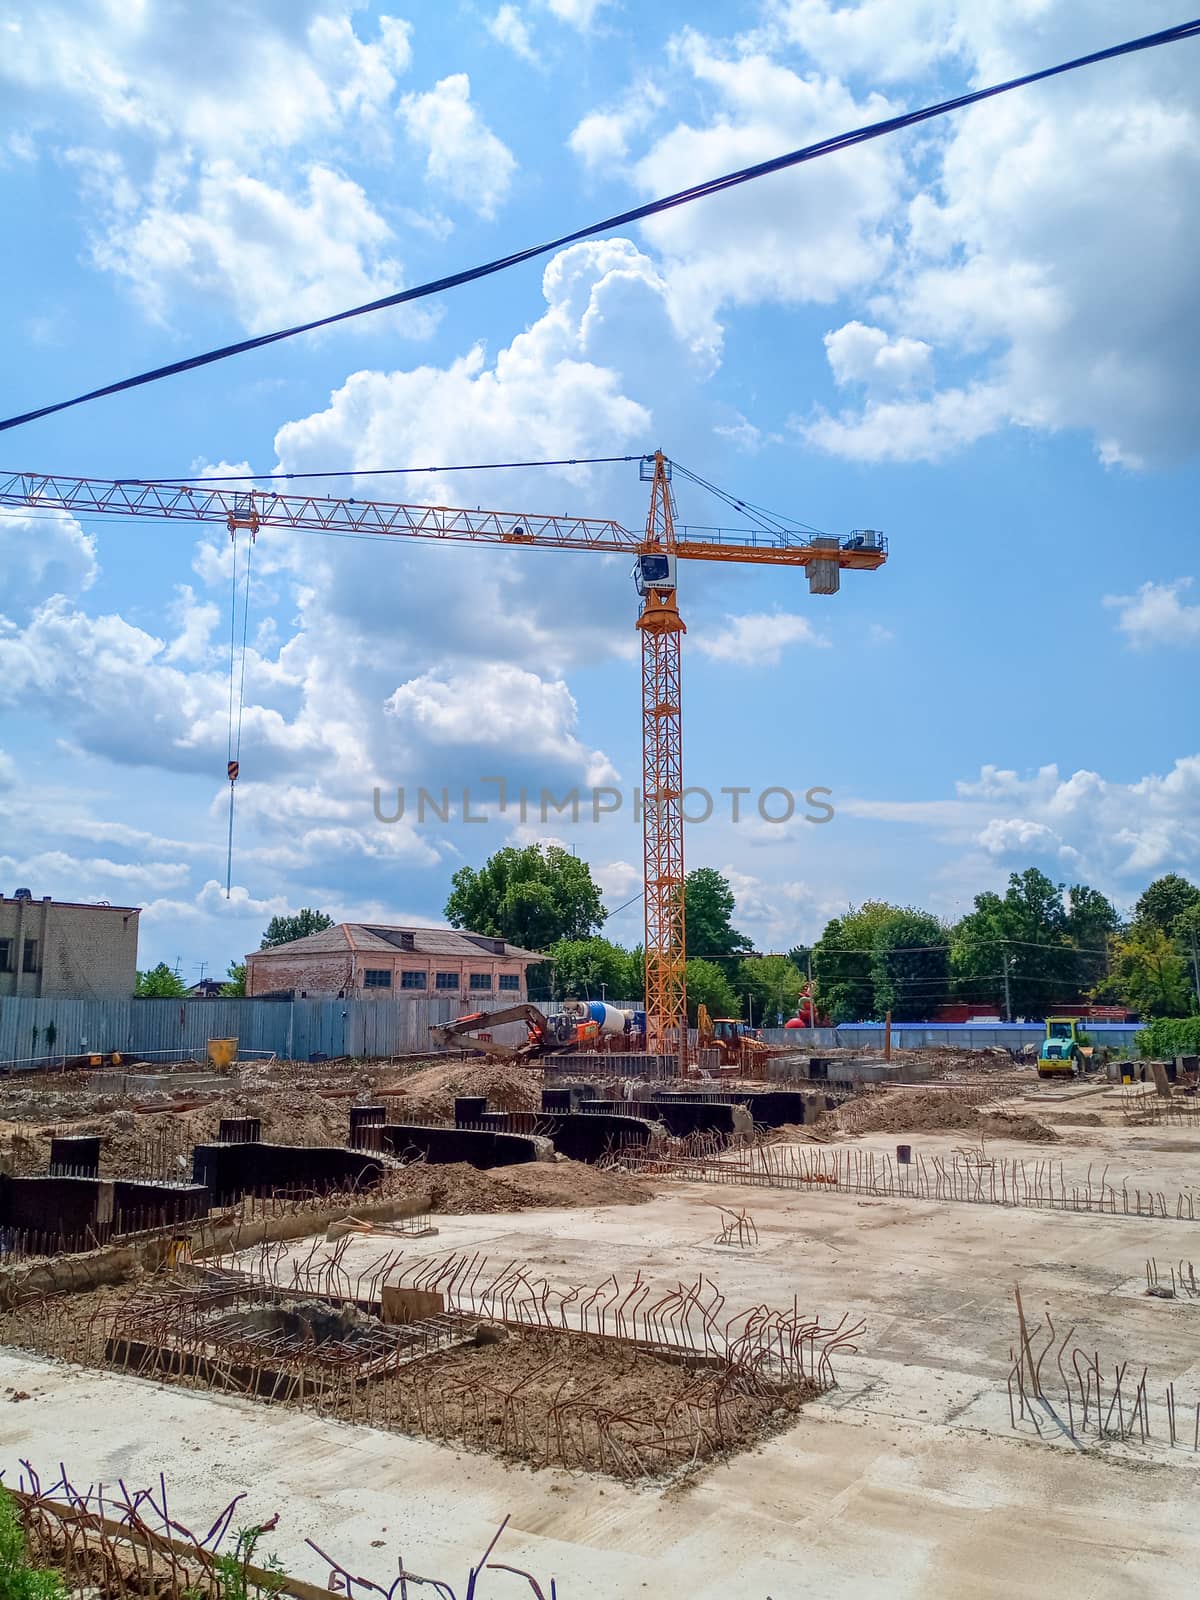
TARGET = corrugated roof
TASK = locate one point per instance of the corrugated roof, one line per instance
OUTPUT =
(426, 941)
(330, 941)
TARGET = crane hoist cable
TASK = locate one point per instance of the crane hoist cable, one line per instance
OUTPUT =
(237, 675)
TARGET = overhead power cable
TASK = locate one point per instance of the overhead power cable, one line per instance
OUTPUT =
(699, 191)
(381, 472)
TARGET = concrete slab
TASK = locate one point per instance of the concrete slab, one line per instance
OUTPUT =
(840, 1506)
(904, 1482)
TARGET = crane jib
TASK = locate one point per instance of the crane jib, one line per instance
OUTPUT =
(330, 515)
(660, 543)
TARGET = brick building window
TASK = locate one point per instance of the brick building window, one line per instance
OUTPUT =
(445, 980)
(411, 979)
(6, 961)
(510, 980)
(30, 962)
(377, 978)
(481, 980)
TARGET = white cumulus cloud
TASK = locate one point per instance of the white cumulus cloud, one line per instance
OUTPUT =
(1156, 614)
(462, 154)
(1048, 247)
(861, 354)
(508, 27)
(758, 638)
(276, 255)
(810, 235)
(43, 552)
(579, 13)
(220, 77)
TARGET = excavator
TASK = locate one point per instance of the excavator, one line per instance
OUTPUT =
(738, 1043)
(581, 1025)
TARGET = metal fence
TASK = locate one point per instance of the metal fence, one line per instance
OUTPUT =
(36, 1031)
(33, 1032)
(958, 1035)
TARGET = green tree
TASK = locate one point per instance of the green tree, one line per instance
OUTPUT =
(1186, 930)
(773, 984)
(1164, 901)
(1025, 929)
(1090, 923)
(843, 961)
(910, 965)
(298, 925)
(594, 969)
(533, 897)
(708, 985)
(708, 904)
(234, 987)
(160, 983)
(1148, 974)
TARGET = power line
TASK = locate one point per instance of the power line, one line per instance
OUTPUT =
(699, 191)
(917, 949)
(377, 472)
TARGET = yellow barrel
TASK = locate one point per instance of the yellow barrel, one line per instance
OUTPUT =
(222, 1053)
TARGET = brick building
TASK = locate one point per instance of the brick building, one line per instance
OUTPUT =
(360, 960)
(61, 949)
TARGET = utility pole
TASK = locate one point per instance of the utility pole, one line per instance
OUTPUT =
(1007, 991)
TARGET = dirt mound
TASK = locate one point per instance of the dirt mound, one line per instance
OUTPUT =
(431, 1092)
(819, 1132)
(1076, 1119)
(157, 1141)
(1012, 1125)
(573, 1183)
(938, 1111)
(917, 1112)
(462, 1190)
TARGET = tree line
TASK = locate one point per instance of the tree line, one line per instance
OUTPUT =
(1037, 946)
(1019, 953)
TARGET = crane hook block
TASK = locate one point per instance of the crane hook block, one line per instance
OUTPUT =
(232, 769)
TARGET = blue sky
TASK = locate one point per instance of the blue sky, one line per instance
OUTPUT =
(980, 337)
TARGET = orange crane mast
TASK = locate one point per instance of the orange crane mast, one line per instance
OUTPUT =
(657, 549)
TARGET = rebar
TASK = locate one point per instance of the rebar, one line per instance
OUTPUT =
(760, 1162)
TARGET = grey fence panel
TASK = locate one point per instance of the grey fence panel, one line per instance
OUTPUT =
(31, 1030)
(959, 1036)
(802, 1038)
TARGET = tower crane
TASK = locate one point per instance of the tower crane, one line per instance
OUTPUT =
(656, 550)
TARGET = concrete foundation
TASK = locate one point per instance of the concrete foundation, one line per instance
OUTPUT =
(846, 1071)
(76, 1213)
(240, 1130)
(138, 1205)
(612, 1066)
(232, 1170)
(479, 1147)
(679, 1116)
(363, 1118)
(77, 1156)
(587, 1135)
